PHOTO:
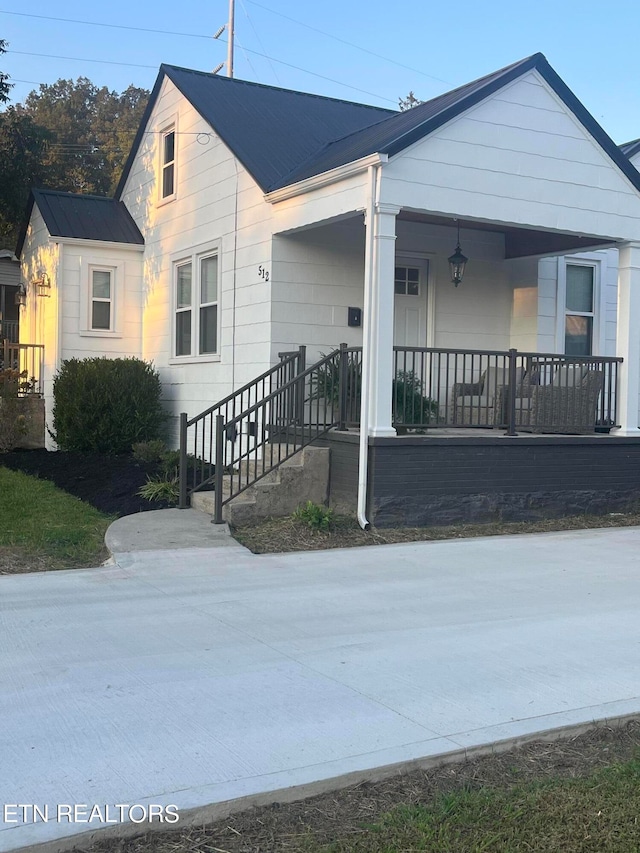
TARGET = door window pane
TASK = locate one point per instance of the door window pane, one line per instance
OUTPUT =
(579, 288)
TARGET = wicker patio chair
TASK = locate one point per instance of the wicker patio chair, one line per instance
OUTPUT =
(481, 403)
(567, 405)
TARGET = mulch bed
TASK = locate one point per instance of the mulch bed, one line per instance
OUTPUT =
(282, 535)
(109, 483)
(297, 827)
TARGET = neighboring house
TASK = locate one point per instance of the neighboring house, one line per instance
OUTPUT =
(250, 220)
(9, 285)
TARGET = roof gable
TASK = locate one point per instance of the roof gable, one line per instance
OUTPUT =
(282, 136)
(270, 130)
(82, 217)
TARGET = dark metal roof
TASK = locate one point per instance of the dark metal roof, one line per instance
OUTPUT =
(282, 136)
(396, 133)
(629, 149)
(84, 217)
(270, 130)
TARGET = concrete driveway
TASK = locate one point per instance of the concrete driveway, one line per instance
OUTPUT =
(197, 676)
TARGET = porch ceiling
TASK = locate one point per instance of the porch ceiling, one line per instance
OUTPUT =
(518, 242)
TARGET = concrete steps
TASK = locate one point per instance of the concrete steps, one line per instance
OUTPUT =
(304, 477)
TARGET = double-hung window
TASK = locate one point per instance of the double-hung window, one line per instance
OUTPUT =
(168, 163)
(101, 296)
(579, 313)
(196, 320)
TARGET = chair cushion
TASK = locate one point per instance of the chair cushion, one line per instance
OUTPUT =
(569, 376)
(474, 402)
(497, 377)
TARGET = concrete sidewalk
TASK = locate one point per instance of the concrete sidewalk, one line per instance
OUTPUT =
(202, 675)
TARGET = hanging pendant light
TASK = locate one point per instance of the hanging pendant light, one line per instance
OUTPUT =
(457, 262)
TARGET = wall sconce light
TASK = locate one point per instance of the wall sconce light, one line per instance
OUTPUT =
(457, 261)
(21, 296)
(43, 285)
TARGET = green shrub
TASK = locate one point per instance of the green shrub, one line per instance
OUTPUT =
(13, 423)
(316, 516)
(161, 489)
(149, 452)
(106, 405)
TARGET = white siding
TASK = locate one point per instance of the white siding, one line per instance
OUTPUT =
(76, 341)
(518, 157)
(213, 193)
(318, 274)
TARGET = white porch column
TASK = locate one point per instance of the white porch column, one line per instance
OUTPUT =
(383, 259)
(628, 340)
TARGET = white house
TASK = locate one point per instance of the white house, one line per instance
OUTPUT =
(250, 220)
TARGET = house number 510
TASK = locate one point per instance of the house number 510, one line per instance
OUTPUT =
(263, 273)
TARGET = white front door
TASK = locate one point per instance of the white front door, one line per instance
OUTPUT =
(410, 305)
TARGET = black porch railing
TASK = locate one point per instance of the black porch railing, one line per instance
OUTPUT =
(9, 331)
(241, 439)
(511, 390)
(28, 360)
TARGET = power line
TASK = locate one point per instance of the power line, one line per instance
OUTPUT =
(78, 58)
(255, 52)
(348, 43)
(100, 24)
(186, 35)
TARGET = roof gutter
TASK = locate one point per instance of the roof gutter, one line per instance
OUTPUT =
(325, 178)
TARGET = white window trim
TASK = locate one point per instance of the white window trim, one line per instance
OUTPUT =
(166, 128)
(194, 256)
(116, 268)
(598, 262)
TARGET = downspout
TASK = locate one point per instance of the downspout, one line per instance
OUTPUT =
(369, 265)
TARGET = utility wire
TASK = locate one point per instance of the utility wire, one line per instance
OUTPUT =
(257, 35)
(255, 52)
(348, 43)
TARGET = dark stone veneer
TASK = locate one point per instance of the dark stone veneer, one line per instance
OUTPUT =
(424, 480)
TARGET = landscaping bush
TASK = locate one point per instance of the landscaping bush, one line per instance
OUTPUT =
(106, 405)
(13, 423)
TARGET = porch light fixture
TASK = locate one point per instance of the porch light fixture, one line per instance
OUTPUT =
(43, 285)
(457, 261)
(21, 296)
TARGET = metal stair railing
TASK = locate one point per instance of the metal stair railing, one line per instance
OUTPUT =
(197, 434)
(251, 443)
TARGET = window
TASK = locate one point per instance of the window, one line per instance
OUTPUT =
(101, 300)
(407, 281)
(168, 163)
(196, 306)
(579, 311)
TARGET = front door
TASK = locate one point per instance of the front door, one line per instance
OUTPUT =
(410, 305)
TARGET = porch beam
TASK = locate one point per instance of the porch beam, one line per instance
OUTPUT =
(381, 307)
(628, 340)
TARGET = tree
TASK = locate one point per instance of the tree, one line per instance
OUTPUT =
(409, 102)
(22, 150)
(91, 129)
(5, 86)
(68, 135)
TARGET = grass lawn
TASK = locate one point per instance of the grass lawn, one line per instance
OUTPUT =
(578, 794)
(44, 528)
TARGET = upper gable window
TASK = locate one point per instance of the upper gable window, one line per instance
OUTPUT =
(168, 164)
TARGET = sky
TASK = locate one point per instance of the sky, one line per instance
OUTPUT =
(357, 50)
